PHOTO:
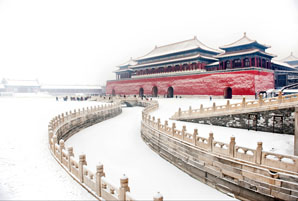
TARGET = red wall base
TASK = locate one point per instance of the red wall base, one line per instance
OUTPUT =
(214, 83)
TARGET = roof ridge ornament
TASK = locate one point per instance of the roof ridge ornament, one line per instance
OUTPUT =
(195, 37)
(244, 34)
(292, 54)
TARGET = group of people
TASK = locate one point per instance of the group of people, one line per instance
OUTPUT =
(72, 98)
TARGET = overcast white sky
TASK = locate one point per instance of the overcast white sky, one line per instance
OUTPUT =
(81, 42)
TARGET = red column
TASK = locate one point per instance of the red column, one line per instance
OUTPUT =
(257, 63)
(242, 62)
(250, 61)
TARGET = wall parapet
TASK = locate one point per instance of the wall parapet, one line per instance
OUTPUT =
(65, 125)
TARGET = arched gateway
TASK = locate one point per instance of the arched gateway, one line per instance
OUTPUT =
(141, 92)
(154, 91)
(228, 93)
(170, 92)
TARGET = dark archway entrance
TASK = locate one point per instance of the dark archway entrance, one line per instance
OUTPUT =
(141, 92)
(170, 92)
(113, 92)
(154, 91)
(228, 93)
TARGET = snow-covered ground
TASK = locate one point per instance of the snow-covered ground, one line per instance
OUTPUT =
(27, 169)
(118, 145)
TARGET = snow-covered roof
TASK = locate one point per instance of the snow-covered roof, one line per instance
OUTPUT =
(122, 70)
(175, 60)
(213, 64)
(242, 41)
(191, 44)
(291, 57)
(2, 86)
(31, 83)
(70, 87)
(282, 64)
(250, 51)
(131, 62)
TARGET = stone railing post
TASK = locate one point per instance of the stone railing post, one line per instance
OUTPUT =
(189, 110)
(173, 128)
(158, 197)
(194, 136)
(59, 119)
(260, 100)
(50, 137)
(62, 117)
(280, 97)
(228, 104)
(61, 147)
(179, 112)
(153, 120)
(210, 141)
(166, 124)
(70, 154)
(75, 113)
(243, 102)
(99, 173)
(232, 147)
(214, 107)
(258, 156)
(55, 140)
(158, 123)
(123, 188)
(183, 132)
(201, 108)
(82, 162)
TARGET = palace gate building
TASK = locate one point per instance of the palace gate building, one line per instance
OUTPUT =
(192, 68)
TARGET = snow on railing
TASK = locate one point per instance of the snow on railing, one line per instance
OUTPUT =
(215, 110)
(94, 182)
(255, 156)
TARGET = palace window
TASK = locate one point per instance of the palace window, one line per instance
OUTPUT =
(237, 63)
(227, 64)
(246, 62)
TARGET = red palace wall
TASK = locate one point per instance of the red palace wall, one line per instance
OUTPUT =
(213, 83)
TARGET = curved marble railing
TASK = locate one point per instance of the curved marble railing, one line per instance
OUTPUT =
(236, 107)
(251, 174)
(247, 173)
(64, 126)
